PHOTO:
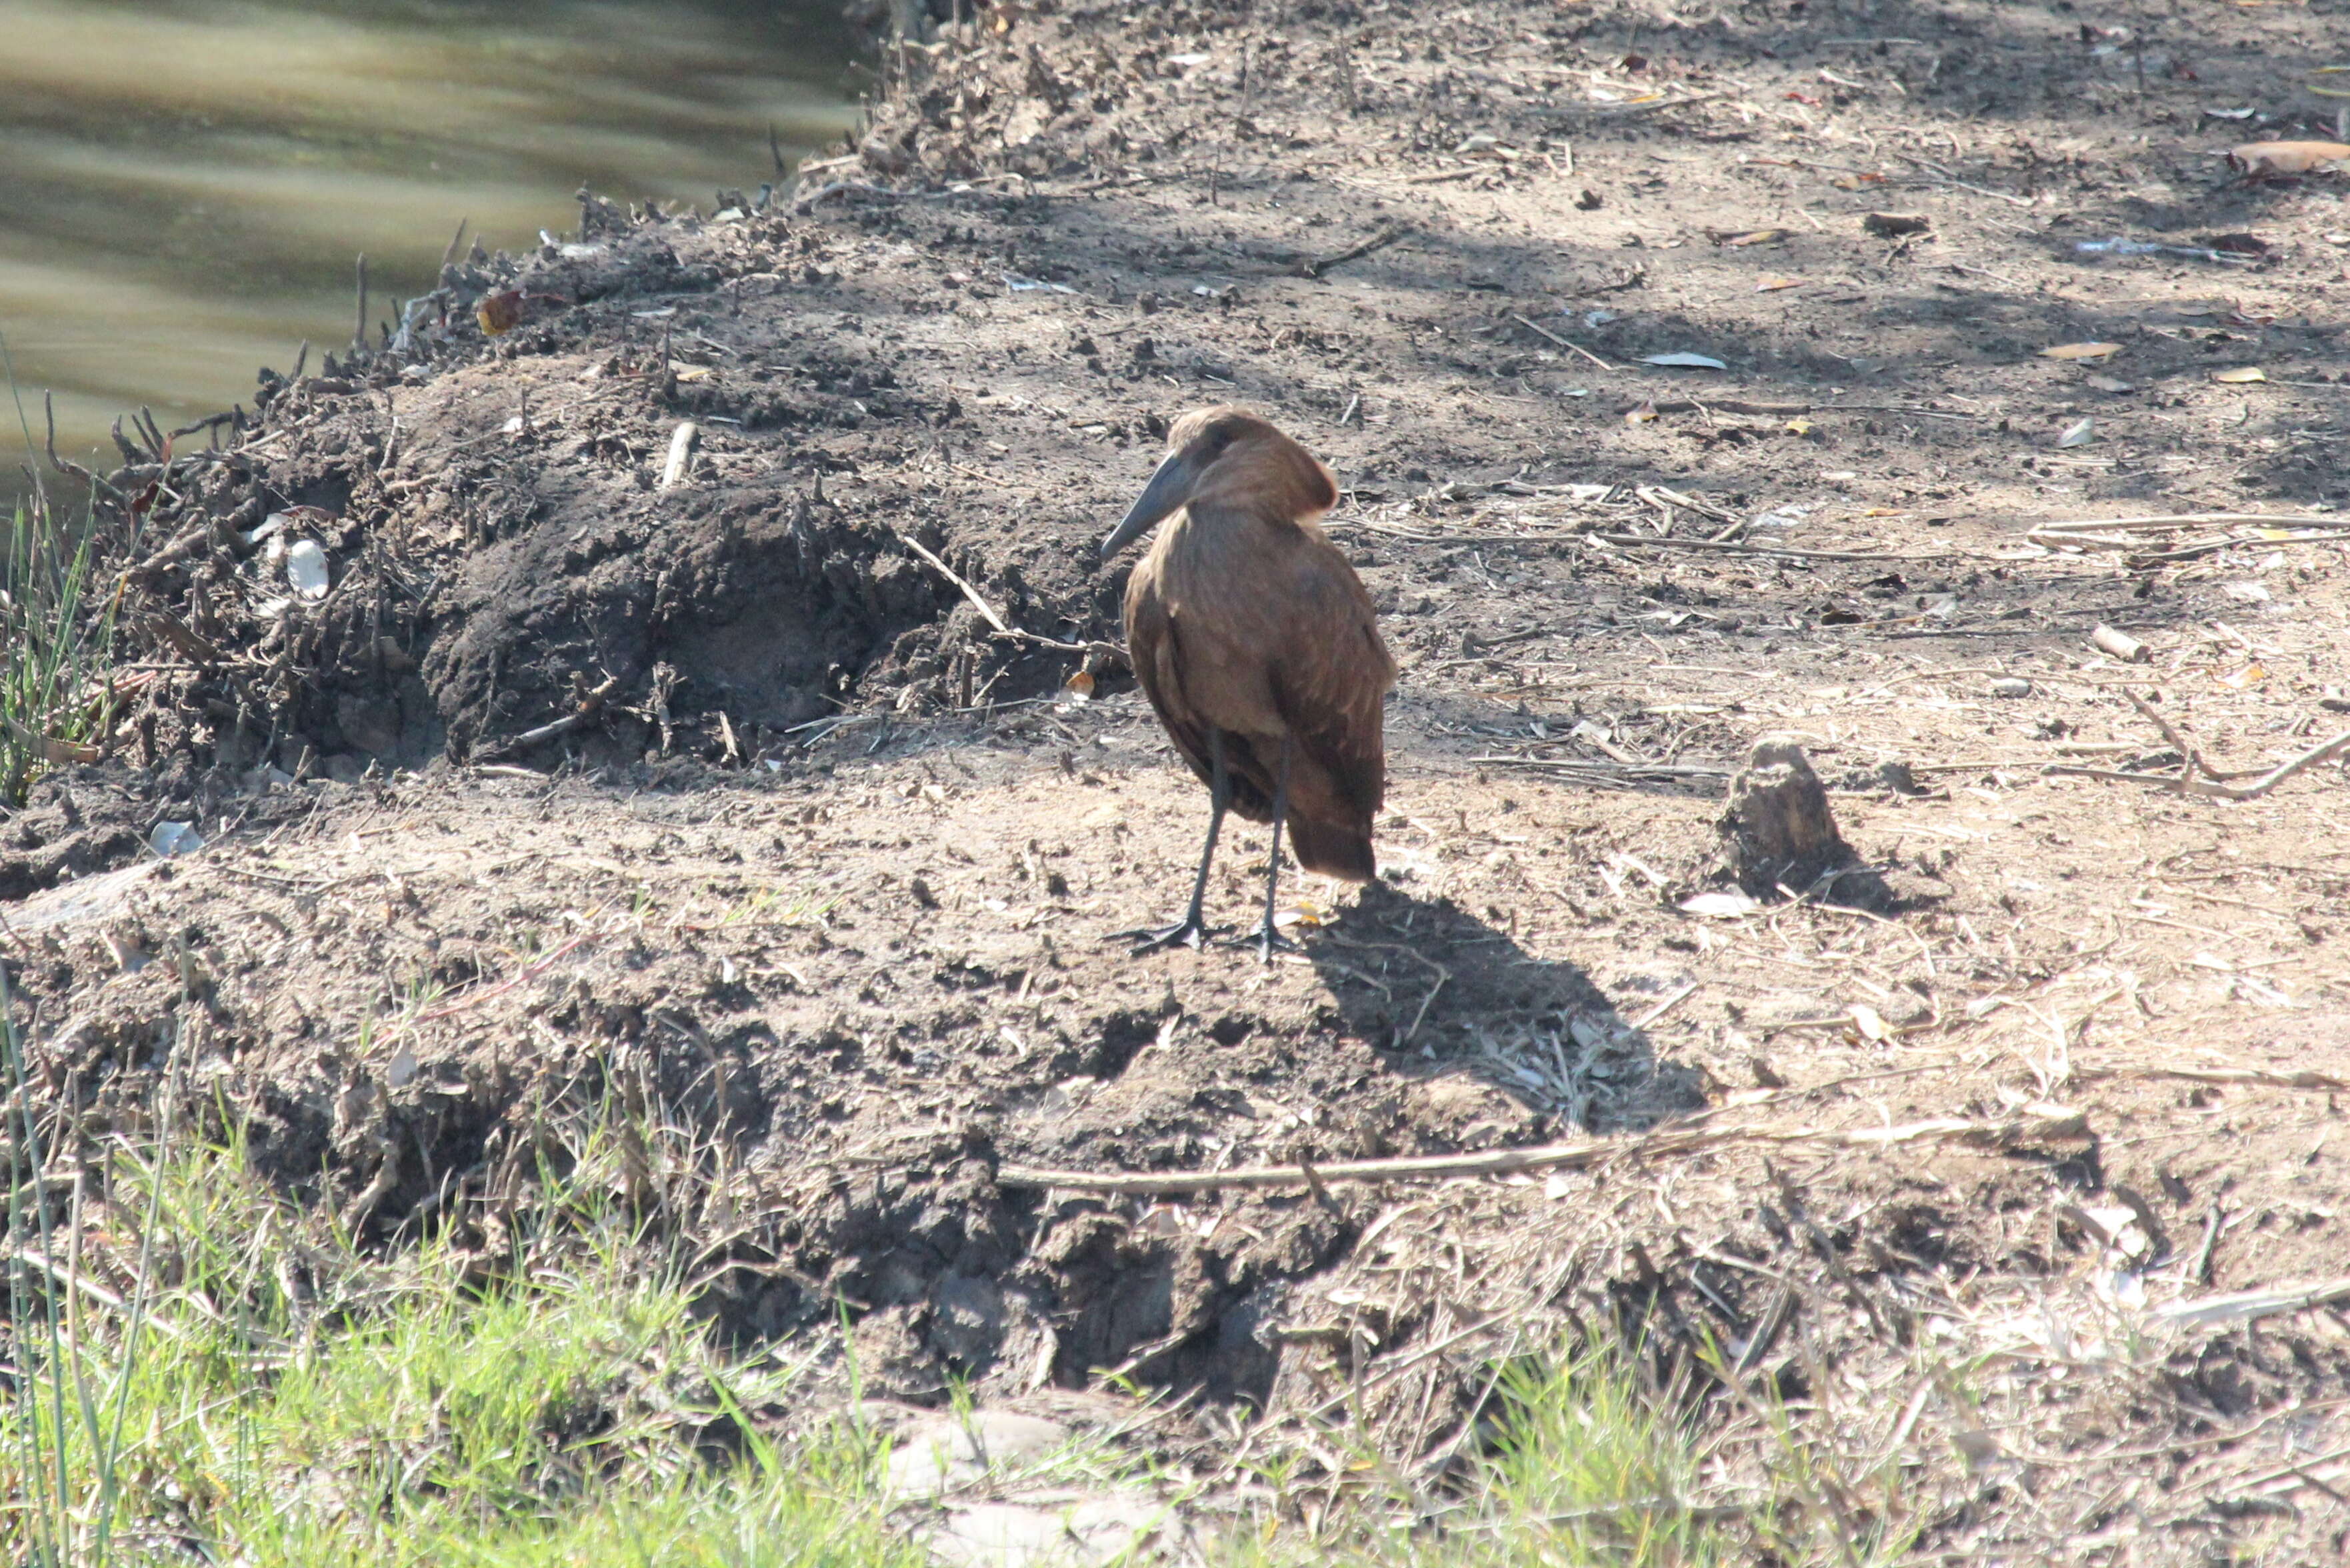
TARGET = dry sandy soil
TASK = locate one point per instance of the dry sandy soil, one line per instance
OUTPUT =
(1987, 1168)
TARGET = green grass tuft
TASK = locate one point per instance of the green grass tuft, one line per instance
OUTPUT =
(200, 1369)
(57, 648)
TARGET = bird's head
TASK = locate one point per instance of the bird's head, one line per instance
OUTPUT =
(1228, 458)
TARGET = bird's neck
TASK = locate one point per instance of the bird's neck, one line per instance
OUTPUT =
(1210, 526)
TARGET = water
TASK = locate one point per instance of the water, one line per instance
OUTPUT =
(185, 185)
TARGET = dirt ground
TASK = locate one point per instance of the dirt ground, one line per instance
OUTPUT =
(2017, 1175)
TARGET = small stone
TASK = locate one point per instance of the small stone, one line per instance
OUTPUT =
(169, 838)
(2011, 686)
(1103, 1529)
(947, 1453)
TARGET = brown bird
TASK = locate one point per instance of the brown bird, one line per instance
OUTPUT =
(1258, 646)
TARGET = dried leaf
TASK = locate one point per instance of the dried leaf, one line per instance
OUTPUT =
(305, 568)
(2255, 159)
(1771, 283)
(1303, 912)
(1750, 237)
(1684, 361)
(1798, 427)
(2111, 384)
(58, 753)
(2081, 351)
(1080, 688)
(1720, 906)
(692, 372)
(2240, 374)
(2080, 434)
(1871, 1022)
(1646, 414)
(501, 312)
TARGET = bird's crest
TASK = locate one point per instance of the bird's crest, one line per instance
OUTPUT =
(1250, 466)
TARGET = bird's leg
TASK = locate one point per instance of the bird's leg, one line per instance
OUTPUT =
(1192, 930)
(1268, 936)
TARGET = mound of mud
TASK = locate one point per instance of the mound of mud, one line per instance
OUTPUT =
(454, 544)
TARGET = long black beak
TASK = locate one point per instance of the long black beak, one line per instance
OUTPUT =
(1168, 488)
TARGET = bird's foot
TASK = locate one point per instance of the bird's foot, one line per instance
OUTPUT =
(1189, 932)
(1267, 941)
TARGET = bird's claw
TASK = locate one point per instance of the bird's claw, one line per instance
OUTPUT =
(1267, 941)
(1187, 933)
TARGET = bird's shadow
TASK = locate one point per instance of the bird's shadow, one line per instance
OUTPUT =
(1443, 993)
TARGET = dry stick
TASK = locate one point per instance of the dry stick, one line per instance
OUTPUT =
(1547, 1157)
(1091, 647)
(2209, 790)
(2192, 760)
(2120, 644)
(2157, 524)
(1620, 111)
(2229, 542)
(70, 469)
(2258, 1076)
(589, 706)
(1562, 342)
(1659, 769)
(1005, 630)
(1314, 266)
(2083, 539)
(1658, 495)
(681, 453)
(359, 338)
(1735, 549)
(2250, 1307)
(2300, 1467)
(1726, 405)
(1733, 406)
(987, 610)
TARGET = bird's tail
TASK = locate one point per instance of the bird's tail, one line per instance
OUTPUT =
(1334, 849)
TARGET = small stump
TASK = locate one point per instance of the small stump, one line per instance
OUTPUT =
(1779, 833)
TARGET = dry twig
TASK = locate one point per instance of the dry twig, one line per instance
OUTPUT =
(590, 704)
(1314, 266)
(2032, 1126)
(1562, 342)
(987, 610)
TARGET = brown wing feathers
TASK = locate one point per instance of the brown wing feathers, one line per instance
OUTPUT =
(1330, 689)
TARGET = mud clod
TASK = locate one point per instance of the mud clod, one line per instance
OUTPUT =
(1781, 837)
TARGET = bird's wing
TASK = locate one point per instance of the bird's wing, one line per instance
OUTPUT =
(1331, 681)
(1157, 656)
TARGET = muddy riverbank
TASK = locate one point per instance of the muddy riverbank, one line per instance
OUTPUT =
(672, 692)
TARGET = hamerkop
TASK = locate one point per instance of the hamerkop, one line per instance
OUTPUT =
(1257, 645)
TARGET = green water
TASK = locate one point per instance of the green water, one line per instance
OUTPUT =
(185, 185)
